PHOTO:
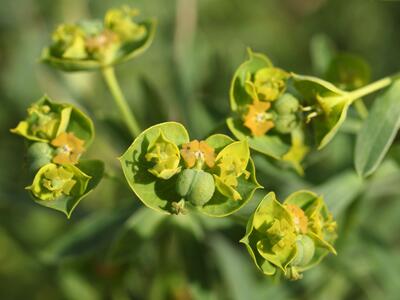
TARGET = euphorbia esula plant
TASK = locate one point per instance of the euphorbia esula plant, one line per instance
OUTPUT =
(280, 114)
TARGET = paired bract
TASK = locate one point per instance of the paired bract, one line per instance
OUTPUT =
(58, 134)
(171, 174)
(292, 237)
(278, 111)
(94, 44)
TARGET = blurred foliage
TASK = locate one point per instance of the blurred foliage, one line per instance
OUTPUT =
(112, 248)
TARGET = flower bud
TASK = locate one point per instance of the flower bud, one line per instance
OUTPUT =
(276, 239)
(196, 186)
(270, 83)
(121, 22)
(165, 156)
(69, 42)
(286, 104)
(54, 182)
(305, 251)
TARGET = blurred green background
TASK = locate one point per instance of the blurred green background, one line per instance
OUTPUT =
(112, 247)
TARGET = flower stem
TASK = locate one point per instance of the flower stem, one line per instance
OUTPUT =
(113, 86)
(372, 87)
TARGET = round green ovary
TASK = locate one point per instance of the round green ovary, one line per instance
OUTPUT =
(286, 123)
(305, 251)
(38, 155)
(196, 186)
(286, 104)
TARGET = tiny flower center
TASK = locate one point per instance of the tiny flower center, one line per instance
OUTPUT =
(199, 155)
(260, 117)
(102, 39)
(66, 149)
(163, 156)
(57, 183)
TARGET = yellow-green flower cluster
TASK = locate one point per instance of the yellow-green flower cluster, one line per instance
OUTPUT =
(292, 237)
(53, 182)
(197, 169)
(97, 40)
(58, 134)
(270, 107)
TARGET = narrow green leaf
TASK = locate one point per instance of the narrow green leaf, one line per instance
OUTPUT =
(85, 237)
(139, 227)
(378, 131)
(340, 191)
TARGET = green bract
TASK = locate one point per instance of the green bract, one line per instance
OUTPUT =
(94, 44)
(62, 187)
(206, 180)
(264, 113)
(232, 162)
(47, 119)
(330, 103)
(292, 237)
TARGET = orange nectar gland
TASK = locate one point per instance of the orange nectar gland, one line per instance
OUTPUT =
(300, 220)
(69, 148)
(196, 154)
(101, 41)
(257, 119)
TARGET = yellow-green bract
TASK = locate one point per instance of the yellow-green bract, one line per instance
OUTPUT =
(292, 237)
(62, 187)
(47, 119)
(331, 102)
(161, 194)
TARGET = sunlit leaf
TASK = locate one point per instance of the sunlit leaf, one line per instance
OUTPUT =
(378, 131)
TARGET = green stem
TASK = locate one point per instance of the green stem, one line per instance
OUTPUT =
(356, 95)
(113, 86)
(370, 88)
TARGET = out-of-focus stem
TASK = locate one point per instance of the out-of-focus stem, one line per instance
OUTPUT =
(119, 98)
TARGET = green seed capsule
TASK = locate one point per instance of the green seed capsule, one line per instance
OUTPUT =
(39, 154)
(286, 105)
(286, 123)
(305, 251)
(196, 186)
